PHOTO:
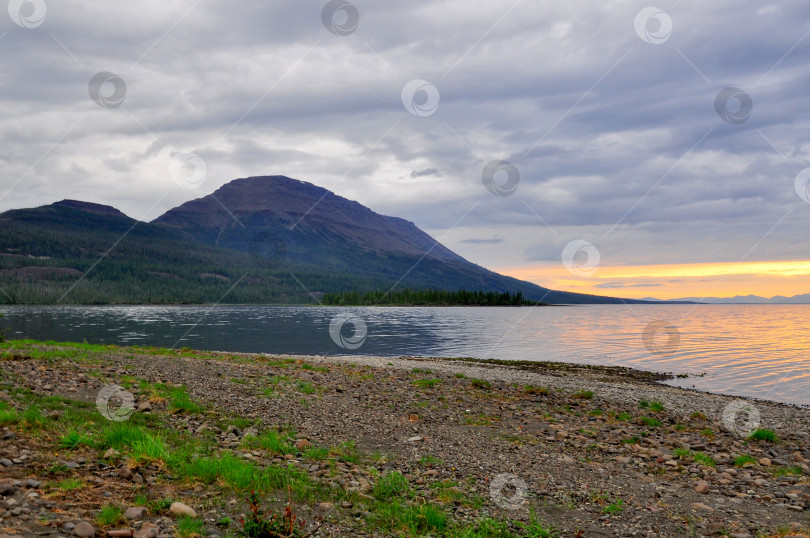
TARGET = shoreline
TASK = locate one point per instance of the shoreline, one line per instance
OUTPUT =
(605, 451)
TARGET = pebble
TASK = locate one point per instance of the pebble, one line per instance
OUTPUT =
(84, 530)
(702, 487)
(135, 512)
(180, 509)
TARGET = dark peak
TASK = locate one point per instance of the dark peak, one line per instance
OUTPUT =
(89, 207)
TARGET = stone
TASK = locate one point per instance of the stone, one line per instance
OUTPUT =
(135, 512)
(765, 462)
(6, 488)
(144, 406)
(180, 509)
(414, 439)
(5, 462)
(84, 530)
(111, 453)
(701, 506)
(702, 487)
(147, 530)
(302, 444)
(671, 463)
(120, 533)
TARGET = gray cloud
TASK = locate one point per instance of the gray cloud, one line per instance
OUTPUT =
(616, 140)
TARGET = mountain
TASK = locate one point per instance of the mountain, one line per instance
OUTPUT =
(268, 239)
(750, 299)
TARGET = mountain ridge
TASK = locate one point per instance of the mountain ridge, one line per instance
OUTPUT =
(260, 239)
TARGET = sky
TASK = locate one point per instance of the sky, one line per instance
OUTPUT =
(626, 148)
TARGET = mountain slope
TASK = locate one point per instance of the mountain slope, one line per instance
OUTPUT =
(255, 240)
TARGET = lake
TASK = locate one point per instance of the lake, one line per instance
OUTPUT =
(761, 351)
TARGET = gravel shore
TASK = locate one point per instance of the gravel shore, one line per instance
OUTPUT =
(590, 451)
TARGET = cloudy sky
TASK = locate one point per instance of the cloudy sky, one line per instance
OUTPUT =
(631, 149)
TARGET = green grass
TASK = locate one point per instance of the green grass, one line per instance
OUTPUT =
(584, 395)
(532, 389)
(429, 461)
(73, 439)
(764, 435)
(485, 528)
(316, 453)
(189, 526)
(785, 471)
(413, 519)
(273, 441)
(632, 440)
(624, 417)
(348, 452)
(741, 460)
(651, 422)
(151, 448)
(180, 402)
(459, 376)
(657, 407)
(109, 516)
(393, 484)
(32, 417)
(482, 384)
(682, 453)
(8, 416)
(704, 459)
(421, 371)
(643, 404)
(426, 383)
(615, 507)
(306, 388)
(69, 484)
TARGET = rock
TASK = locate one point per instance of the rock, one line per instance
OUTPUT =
(702, 487)
(414, 439)
(765, 462)
(135, 512)
(111, 453)
(671, 463)
(147, 530)
(33, 483)
(701, 506)
(5, 462)
(794, 507)
(6, 488)
(122, 533)
(302, 444)
(325, 506)
(144, 406)
(84, 530)
(180, 509)
(124, 472)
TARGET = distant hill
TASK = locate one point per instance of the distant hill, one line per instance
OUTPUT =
(255, 240)
(749, 299)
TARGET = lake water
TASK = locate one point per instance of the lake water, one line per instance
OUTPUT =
(761, 351)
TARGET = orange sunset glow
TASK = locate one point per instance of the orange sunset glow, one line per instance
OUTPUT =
(763, 278)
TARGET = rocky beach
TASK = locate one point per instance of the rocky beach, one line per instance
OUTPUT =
(145, 442)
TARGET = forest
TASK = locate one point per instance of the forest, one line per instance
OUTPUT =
(428, 297)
